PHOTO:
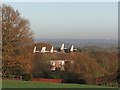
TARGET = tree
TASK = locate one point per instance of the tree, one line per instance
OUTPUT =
(41, 65)
(17, 40)
(0, 28)
(85, 66)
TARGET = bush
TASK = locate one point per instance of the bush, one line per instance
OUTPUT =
(11, 76)
(118, 76)
(55, 75)
(40, 75)
(27, 76)
(69, 75)
(46, 75)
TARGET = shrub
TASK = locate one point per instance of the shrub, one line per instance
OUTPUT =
(10, 76)
(27, 76)
(55, 75)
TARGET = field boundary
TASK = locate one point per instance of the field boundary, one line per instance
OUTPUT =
(47, 80)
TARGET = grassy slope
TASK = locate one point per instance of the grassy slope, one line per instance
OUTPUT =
(29, 84)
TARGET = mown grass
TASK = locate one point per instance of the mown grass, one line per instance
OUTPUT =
(30, 84)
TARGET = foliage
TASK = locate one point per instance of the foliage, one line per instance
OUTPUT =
(87, 65)
(54, 74)
(16, 43)
(40, 63)
(27, 76)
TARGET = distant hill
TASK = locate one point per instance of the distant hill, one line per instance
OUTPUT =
(81, 42)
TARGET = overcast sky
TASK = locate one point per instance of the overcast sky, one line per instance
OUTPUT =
(74, 20)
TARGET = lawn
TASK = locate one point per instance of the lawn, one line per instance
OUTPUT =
(30, 84)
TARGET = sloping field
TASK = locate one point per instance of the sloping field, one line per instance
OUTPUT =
(30, 84)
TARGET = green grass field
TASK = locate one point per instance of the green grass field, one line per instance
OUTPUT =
(30, 84)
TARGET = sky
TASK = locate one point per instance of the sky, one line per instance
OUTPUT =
(71, 20)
